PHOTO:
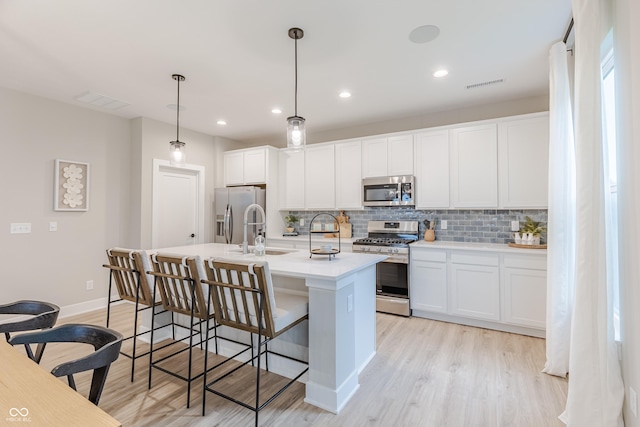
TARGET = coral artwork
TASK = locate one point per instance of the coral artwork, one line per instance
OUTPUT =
(71, 187)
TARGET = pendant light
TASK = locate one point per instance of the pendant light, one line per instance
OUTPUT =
(176, 149)
(296, 136)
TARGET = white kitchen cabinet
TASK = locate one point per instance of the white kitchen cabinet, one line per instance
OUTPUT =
(291, 180)
(387, 156)
(245, 167)
(525, 290)
(348, 161)
(474, 166)
(432, 169)
(475, 286)
(319, 177)
(428, 280)
(523, 162)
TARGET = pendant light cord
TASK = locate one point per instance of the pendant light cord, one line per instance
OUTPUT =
(178, 113)
(296, 79)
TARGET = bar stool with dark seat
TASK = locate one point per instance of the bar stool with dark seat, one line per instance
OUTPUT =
(42, 315)
(244, 298)
(128, 271)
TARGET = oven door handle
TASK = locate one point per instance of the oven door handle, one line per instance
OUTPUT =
(404, 260)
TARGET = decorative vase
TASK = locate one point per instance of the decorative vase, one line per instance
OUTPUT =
(289, 229)
(429, 235)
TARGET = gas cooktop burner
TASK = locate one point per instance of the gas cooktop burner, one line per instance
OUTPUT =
(383, 241)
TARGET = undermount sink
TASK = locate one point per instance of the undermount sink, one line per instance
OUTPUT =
(268, 251)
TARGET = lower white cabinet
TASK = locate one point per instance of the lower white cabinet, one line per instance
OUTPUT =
(475, 286)
(493, 289)
(525, 290)
(428, 281)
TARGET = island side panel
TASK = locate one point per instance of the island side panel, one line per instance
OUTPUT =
(365, 317)
(333, 377)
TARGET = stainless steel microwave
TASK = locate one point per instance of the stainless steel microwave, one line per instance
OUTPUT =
(389, 191)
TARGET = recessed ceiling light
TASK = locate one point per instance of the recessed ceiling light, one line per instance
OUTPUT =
(424, 34)
(221, 122)
(276, 111)
(345, 94)
(440, 73)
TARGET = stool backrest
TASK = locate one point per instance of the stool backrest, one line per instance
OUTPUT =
(106, 343)
(240, 292)
(178, 283)
(128, 268)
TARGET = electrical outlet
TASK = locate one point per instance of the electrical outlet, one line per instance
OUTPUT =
(633, 401)
(301, 222)
(20, 227)
(515, 225)
(89, 285)
(443, 224)
(53, 226)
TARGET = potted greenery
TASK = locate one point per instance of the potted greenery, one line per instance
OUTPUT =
(291, 221)
(531, 231)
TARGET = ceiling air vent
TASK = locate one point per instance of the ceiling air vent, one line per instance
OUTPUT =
(491, 82)
(101, 101)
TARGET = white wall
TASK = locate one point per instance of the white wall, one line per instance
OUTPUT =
(627, 71)
(150, 140)
(426, 120)
(54, 266)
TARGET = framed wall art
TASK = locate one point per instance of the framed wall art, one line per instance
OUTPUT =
(71, 188)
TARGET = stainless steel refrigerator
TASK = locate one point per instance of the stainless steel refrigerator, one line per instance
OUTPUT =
(230, 204)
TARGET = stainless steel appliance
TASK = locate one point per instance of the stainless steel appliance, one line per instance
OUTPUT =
(230, 204)
(389, 191)
(392, 275)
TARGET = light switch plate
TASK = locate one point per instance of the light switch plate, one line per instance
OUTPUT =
(20, 227)
(443, 224)
(301, 222)
(53, 226)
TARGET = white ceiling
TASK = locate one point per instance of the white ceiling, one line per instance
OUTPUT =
(239, 61)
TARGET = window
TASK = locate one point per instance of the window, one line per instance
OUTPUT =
(611, 179)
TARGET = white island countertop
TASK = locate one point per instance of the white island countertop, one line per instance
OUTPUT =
(287, 262)
(342, 312)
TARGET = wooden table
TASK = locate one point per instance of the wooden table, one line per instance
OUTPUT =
(29, 395)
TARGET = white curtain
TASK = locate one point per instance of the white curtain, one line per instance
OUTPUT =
(561, 232)
(596, 391)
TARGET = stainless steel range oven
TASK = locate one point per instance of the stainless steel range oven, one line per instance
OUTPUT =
(392, 275)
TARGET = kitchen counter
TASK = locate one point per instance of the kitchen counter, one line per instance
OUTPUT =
(483, 247)
(342, 317)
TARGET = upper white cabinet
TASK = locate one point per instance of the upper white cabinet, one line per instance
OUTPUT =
(319, 177)
(432, 169)
(523, 159)
(474, 166)
(348, 173)
(291, 180)
(387, 156)
(246, 166)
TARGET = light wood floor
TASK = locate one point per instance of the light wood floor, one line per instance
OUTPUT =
(425, 373)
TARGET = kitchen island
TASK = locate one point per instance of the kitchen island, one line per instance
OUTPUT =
(342, 316)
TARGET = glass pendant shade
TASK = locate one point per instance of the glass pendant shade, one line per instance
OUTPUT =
(177, 153)
(296, 135)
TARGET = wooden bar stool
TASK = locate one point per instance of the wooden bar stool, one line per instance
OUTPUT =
(178, 282)
(127, 269)
(244, 298)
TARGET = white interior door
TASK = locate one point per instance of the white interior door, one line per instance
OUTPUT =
(178, 205)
